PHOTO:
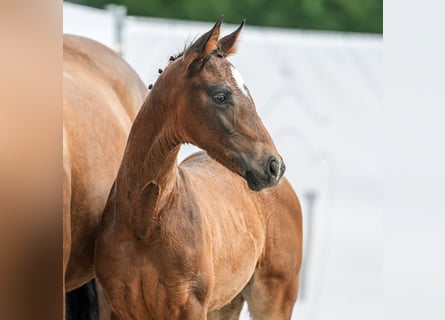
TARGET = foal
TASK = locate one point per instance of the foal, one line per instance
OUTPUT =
(179, 242)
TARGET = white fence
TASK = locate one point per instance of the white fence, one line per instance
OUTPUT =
(320, 96)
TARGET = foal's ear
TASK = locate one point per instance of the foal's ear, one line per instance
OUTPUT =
(206, 44)
(227, 45)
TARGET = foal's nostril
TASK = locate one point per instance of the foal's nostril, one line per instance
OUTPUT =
(274, 167)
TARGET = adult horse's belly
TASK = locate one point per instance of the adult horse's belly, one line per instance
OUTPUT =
(95, 141)
(101, 96)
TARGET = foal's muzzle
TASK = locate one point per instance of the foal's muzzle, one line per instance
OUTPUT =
(265, 176)
(275, 168)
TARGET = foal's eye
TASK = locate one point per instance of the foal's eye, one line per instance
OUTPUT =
(219, 98)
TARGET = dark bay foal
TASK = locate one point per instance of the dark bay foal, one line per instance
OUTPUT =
(195, 241)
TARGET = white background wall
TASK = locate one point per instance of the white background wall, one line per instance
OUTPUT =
(414, 157)
(320, 96)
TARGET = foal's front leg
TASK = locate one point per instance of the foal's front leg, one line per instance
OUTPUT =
(159, 302)
(183, 288)
(191, 310)
(177, 299)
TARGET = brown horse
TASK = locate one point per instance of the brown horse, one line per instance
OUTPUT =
(102, 94)
(191, 241)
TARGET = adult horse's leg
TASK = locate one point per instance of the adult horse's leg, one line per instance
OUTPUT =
(229, 312)
(273, 289)
(87, 302)
(81, 303)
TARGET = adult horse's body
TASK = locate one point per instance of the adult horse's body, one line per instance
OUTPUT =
(102, 94)
(191, 241)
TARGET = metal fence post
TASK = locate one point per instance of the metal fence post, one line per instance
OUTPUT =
(310, 197)
(119, 13)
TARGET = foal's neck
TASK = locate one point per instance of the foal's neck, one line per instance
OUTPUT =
(152, 149)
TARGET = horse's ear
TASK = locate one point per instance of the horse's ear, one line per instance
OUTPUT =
(227, 45)
(206, 44)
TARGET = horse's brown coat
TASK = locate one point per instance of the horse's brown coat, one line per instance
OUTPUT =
(179, 241)
(101, 97)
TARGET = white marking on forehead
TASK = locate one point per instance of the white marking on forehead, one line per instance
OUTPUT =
(239, 81)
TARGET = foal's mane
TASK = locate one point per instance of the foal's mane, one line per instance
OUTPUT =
(178, 55)
(198, 61)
